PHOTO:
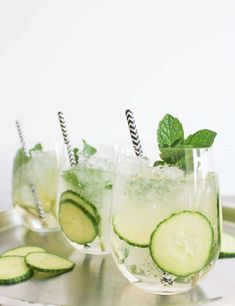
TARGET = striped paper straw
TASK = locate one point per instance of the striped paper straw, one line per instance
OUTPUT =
(40, 210)
(21, 136)
(38, 204)
(134, 133)
(67, 142)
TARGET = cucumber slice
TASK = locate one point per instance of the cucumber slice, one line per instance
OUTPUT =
(135, 224)
(13, 270)
(72, 195)
(45, 262)
(45, 275)
(228, 246)
(22, 251)
(181, 244)
(77, 223)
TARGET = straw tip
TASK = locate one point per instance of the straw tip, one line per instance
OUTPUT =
(128, 111)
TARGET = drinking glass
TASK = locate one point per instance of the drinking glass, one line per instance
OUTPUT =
(166, 218)
(7, 152)
(84, 201)
(34, 187)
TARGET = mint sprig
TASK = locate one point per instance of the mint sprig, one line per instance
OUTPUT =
(37, 147)
(76, 154)
(71, 178)
(21, 158)
(172, 144)
(88, 150)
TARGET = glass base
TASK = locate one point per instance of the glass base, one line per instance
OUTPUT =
(156, 286)
(94, 248)
(92, 251)
(35, 224)
(41, 229)
(159, 289)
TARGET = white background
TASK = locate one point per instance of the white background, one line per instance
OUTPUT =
(92, 59)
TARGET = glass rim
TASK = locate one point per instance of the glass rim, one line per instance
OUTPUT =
(155, 146)
(71, 168)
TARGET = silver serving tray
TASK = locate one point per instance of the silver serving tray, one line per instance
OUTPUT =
(96, 281)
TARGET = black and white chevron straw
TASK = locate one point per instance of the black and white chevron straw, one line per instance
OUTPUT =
(40, 210)
(134, 133)
(20, 132)
(65, 134)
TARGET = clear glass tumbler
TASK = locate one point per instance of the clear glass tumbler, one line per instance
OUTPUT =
(84, 201)
(166, 218)
(34, 186)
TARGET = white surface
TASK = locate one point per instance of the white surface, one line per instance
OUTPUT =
(92, 59)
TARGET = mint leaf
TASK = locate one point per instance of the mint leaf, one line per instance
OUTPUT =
(170, 132)
(108, 185)
(72, 179)
(20, 159)
(186, 161)
(201, 139)
(172, 156)
(37, 147)
(88, 150)
(76, 154)
(158, 163)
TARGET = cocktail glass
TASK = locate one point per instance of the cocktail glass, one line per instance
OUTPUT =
(85, 199)
(34, 188)
(166, 219)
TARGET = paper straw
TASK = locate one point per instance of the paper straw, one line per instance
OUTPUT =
(20, 132)
(134, 133)
(38, 204)
(40, 210)
(67, 142)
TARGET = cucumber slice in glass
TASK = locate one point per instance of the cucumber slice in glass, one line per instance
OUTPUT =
(13, 270)
(22, 251)
(135, 224)
(181, 244)
(228, 246)
(45, 262)
(72, 195)
(77, 223)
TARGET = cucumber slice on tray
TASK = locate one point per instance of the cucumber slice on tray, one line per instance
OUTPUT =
(228, 246)
(72, 195)
(22, 251)
(181, 244)
(77, 223)
(13, 270)
(45, 262)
